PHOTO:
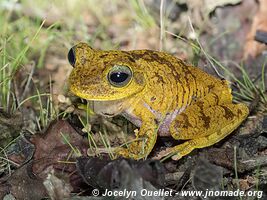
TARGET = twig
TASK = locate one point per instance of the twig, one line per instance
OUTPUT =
(162, 25)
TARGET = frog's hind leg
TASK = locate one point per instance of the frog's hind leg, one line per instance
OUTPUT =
(204, 126)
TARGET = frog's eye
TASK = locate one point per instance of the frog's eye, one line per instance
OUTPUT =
(71, 56)
(119, 75)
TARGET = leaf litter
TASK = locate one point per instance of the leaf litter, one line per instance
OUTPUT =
(55, 162)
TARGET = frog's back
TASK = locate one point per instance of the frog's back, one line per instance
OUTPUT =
(172, 79)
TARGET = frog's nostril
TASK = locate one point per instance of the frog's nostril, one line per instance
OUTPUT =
(71, 56)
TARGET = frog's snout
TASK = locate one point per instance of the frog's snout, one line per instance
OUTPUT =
(72, 56)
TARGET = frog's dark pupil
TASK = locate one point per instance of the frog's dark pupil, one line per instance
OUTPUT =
(118, 77)
(71, 57)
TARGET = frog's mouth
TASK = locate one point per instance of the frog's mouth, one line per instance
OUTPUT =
(96, 95)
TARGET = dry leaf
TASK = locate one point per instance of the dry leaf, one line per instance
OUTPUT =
(57, 188)
(24, 185)
(123, 173)
(52, 149)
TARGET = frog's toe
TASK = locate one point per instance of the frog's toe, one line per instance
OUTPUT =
(127, 153)
(173, 155)
(123, 152)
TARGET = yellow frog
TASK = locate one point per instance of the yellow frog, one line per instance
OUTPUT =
(158, 93)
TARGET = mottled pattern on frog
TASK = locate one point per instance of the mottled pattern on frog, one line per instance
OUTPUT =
(165, 95)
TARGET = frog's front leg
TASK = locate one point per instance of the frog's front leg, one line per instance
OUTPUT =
(145, 138)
